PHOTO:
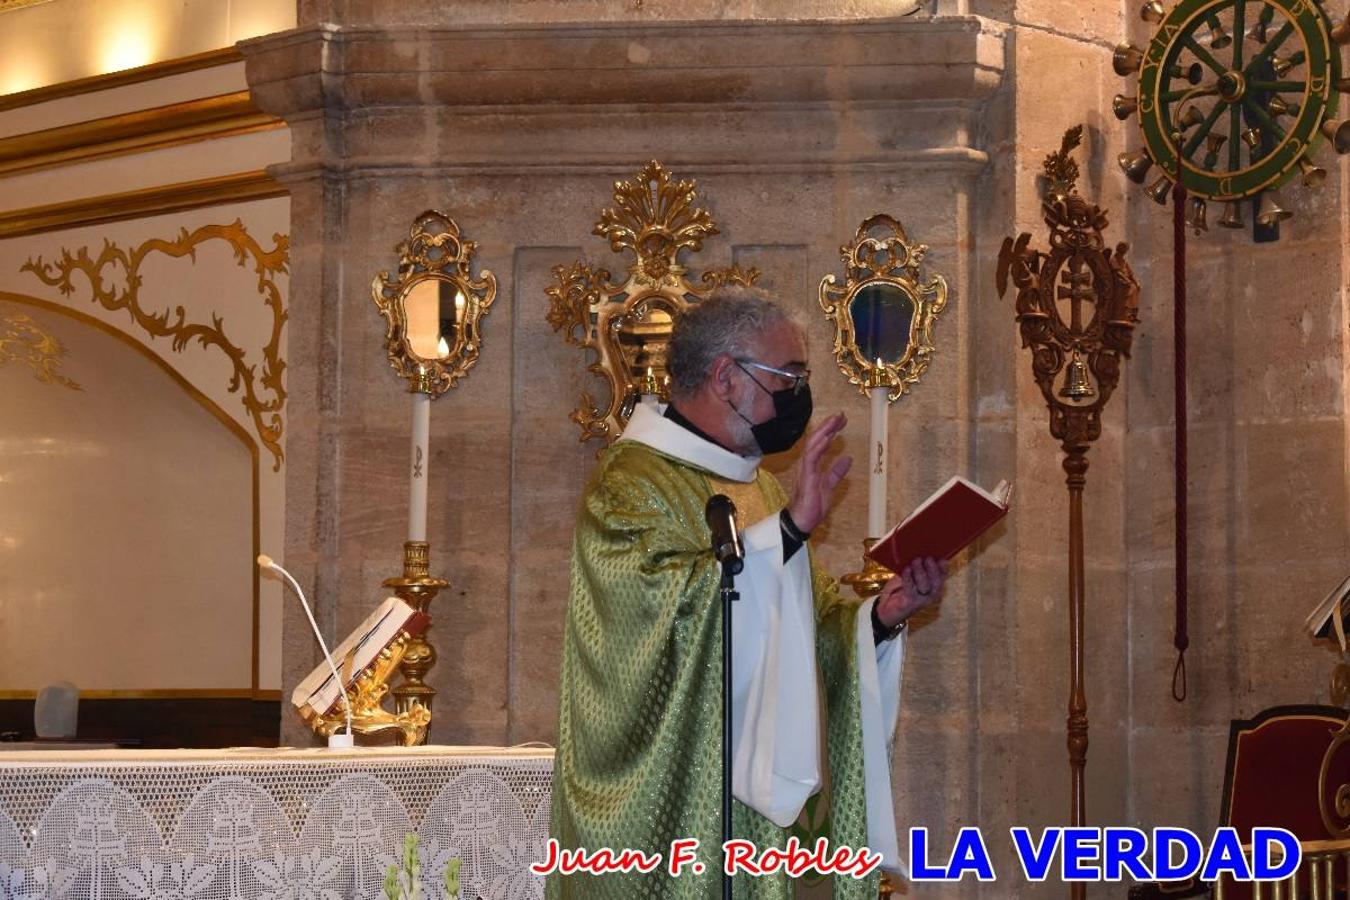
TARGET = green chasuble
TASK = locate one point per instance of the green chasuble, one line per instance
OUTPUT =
(639, 760)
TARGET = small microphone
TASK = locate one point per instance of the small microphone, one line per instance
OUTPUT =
(720, 514)
(334, 740)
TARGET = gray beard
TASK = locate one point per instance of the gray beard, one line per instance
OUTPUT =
(742, 438)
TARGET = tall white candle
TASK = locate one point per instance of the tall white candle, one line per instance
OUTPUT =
(876, 464)
(420, 463)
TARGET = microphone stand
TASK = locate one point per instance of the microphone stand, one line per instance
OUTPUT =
(720, 514)
(729, 595)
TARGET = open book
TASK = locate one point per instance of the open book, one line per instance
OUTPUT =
(944, 524)
(1319, 622)
(319, 691)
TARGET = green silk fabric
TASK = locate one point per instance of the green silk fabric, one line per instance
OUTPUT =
(639, 760)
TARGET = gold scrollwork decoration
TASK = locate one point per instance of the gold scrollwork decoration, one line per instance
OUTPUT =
(1335, 807)
(263, 393)
(884, 311)
(367, 697)
(25, 341)
(627, 326)
(435, 297)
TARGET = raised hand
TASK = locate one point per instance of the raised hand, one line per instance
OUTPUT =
(917, 586)
(813, 489)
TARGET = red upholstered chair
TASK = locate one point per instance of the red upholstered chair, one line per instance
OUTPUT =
(1271, 780)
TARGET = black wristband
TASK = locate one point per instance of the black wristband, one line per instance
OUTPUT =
(880, 632)
(790, 528)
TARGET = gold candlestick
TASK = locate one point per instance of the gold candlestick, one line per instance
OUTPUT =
(417, 588)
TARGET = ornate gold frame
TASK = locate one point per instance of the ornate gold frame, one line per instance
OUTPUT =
(653, 217)
(888, 259)
(434, 249)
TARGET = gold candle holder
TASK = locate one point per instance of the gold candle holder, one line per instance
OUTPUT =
(417, 588)
(868, 582)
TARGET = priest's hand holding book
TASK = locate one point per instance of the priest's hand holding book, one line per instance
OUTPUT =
(917, 586)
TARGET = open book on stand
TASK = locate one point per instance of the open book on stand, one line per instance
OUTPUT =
(1320, 621)
(943, 525)
(393, 618)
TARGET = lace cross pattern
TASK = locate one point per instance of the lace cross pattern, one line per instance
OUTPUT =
(288, 826)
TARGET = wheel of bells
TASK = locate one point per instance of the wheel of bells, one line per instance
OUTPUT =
(1236, 98)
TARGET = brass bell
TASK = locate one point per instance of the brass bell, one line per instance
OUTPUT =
(1077, 382)
(1252, 138)
(1194, 73)
(1232, 214)
(1190, 118)
(1313, 174)
(1278, 107)
(1214, 142)
(1338, 133)
(1340, 33)
(1219, 38)
(1282, 67)
(1135, 167)
(1158, 190)
(1124, 107)
(1272, 212)
(1195, 214)
(1127, 59)
(1152, 11)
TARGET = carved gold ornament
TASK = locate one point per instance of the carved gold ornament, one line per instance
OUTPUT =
(23, 340)
(884, 311)
(434, 305)
(367, 697)
(264, 395)
(628, 325)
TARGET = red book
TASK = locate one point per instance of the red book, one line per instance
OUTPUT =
(944, 524)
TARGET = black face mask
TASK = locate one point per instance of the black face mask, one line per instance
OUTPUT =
(791, 412)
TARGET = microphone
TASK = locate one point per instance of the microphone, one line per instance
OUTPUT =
(334, 740)
(720, 514)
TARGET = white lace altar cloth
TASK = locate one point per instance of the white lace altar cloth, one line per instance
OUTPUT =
(269, 824)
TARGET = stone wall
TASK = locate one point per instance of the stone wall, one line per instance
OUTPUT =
(517, 118)
(1269, 536)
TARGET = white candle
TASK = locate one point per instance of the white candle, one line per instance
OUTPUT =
(876, 464)
(421, 458)
(649, 384)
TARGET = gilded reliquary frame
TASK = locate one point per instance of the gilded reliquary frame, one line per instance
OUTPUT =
(433, 306)
(627, 325)
(884, 310)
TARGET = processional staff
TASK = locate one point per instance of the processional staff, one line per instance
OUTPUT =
(1077, 365)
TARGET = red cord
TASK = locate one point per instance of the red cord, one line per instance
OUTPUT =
(1181, 641)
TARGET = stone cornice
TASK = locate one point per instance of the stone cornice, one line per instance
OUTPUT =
(952, 60)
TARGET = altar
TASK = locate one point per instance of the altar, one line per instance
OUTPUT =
(270, 824)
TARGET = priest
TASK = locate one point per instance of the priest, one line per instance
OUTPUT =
(639, 760)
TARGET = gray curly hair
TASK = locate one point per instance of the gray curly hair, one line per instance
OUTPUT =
(727, 322)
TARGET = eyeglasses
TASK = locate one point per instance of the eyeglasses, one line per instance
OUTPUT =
(799, 379)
